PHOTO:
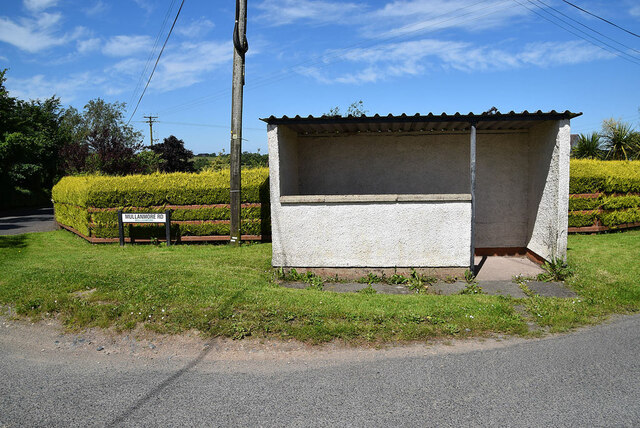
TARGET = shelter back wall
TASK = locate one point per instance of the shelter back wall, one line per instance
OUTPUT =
(427, 164)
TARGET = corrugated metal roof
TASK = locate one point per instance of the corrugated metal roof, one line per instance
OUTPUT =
(417, 122)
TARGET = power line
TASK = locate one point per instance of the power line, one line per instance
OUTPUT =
(157, 60)
(601, 18)
(616, 51)
(152, 52)
(206, 125)
(587, 27)
(274, 77)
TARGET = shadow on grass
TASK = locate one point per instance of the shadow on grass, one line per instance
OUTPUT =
(13, 241)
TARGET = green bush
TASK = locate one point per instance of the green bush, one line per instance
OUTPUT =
(615, 218)
(618, 202)
(89, 203)
(593, 176)
(206, 188)
(581, 204)
(612, 179)
(582, 219)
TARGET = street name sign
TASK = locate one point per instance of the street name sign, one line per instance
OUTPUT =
(144, 217)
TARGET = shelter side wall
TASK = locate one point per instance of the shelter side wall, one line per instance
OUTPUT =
(502, 175)
(433, 234)
(288, 162)
(549, 145)
(384, 164)
(282, 157)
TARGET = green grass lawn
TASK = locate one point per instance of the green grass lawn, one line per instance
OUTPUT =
(224, 291)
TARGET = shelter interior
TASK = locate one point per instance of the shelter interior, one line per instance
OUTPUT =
(513, 159)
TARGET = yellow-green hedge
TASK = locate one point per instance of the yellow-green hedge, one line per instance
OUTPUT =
(592, 176)
(79, 201)
(615, 181)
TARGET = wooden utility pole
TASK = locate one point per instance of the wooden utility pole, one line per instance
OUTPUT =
(240, 47)
(150, 122)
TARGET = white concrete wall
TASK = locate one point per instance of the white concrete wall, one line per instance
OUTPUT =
(521, 194)
(428, 164)
(549, 146)
(360, 234)
(285, 144)
(422, 234)
(501, 190)
(384, 164)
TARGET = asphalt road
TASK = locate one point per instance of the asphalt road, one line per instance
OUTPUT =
(26, 221)
(583, 379)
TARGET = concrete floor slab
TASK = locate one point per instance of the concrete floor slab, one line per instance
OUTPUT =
(344, 287)
(502, 288)
(352, 287)
(391, 289)
(550, 289)
(447, 289)
(504, 268)
(296, 285)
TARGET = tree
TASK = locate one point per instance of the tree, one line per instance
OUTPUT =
(30, 141)
(149, 161)
(98, 138)
(356, 109)
(621, 141)
(589, 146)
(175, 158)
(109, 152)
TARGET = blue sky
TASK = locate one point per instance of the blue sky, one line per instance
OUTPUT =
(307, 56)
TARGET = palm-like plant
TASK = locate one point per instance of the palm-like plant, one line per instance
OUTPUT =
(589, 146)
(621, 141)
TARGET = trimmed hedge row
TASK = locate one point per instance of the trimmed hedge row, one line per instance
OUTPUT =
(89, 203)
(80, 201)
(611, 185)
(594, 176)
(206, 188)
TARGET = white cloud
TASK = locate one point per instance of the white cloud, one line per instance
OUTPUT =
(391, 60)
(418, 16)
(88, 45)
(281, 12)
(128, 67)
(98, 7)
(635, 11)
(147, 6)
(127, 45)
(32, 35)
(38, 5)
(549, 54)
(180, 66)
(189, 63)
(196, 28)
(42, 87)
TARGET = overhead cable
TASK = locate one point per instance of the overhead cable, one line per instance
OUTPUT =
(601, 18)
(587, 27)
(615, 50)
(152, 53)
(323, 59)
(157, 60)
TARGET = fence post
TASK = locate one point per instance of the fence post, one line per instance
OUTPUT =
(167, 225)
(120, 228)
